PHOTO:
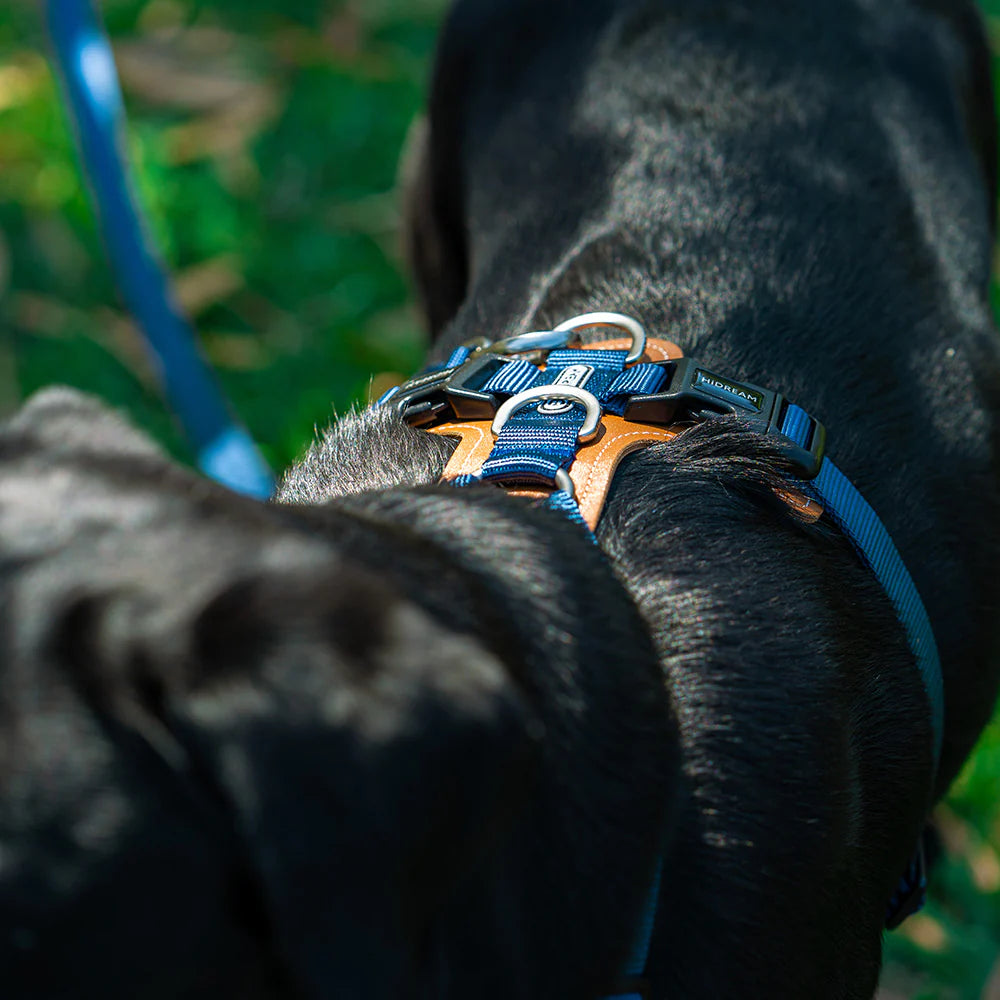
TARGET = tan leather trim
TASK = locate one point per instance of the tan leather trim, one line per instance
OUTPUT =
(592, 471)
(598, 460)
(656, 349)
(805, 507)
(475, 442)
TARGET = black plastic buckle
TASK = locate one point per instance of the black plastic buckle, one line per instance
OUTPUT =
(469, 403)
(422, 400)
(446, 393)
(695, 393)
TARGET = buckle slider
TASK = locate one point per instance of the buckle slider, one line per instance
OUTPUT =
(421, 400)
(695, 393)
(447, 393)
(808, 457)
(466, 402)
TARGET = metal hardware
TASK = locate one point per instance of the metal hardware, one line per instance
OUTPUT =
(446, 393)
(477, 343)
(538, 342)
(473, 404)
(539, 392)
(561, 480)
(421, 400)
(695, 393)
(564, 483)
(631, 326)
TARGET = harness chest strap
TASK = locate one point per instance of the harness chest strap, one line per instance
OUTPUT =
(596, 461)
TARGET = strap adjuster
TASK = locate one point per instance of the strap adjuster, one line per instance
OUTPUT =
(421, 400)
(447, 392)
(696, 393)
(469, 403)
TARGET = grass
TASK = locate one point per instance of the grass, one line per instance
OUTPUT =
(265, 138)
(266, 149)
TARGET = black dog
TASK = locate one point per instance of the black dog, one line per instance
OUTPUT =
(392, 739)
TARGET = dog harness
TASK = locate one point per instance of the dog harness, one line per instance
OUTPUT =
(546, 419)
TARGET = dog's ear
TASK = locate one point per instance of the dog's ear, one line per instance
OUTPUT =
(369, 754)
(433, 233)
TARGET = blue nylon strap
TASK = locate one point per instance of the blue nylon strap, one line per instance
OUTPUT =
(458, 357)
(601, 361)
(512, 378)
(637, 380)
(561, 501)
(911, 893)
(635, 966)
(861, 524)
(387, 395)
(541, 439)
(532, 452)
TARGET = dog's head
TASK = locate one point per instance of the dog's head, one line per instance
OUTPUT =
(249, 793)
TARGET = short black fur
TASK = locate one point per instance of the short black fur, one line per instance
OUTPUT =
(385, 738)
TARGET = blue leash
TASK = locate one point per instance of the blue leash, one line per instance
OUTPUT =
(83, 56)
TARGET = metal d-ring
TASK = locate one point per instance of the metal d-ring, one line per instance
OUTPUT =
(537, 341)
(570, 392)
(564, 483)
(631, 326)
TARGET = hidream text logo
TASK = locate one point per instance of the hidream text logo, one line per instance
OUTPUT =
(575, 375)
(733, 391)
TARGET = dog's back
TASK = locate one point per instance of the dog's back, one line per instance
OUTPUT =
(801, 194)
(413, 741)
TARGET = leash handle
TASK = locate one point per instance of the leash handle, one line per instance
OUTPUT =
(83, 57)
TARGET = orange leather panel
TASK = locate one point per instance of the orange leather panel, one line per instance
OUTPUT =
(656, 350)
(592, 471)
(596, 461)
(808, 509)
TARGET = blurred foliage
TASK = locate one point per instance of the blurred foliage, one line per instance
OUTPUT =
(265, 139)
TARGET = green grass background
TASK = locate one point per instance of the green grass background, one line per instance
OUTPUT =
(265, 138)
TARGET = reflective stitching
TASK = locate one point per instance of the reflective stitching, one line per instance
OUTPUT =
(642, 435)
